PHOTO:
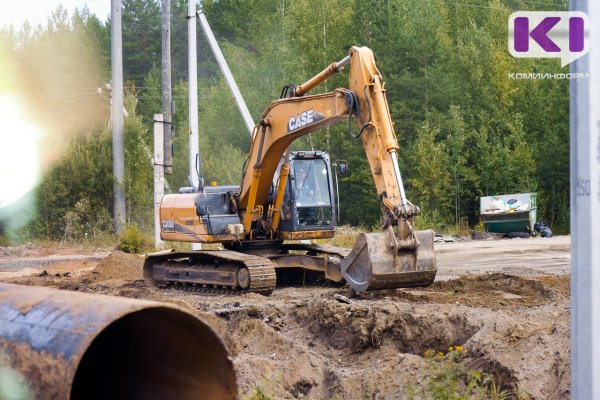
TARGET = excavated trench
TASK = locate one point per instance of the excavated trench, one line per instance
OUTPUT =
(358, 327)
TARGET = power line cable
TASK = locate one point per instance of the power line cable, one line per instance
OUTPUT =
(498, 8)
(542, 3)
(475, 6)
(65, 92)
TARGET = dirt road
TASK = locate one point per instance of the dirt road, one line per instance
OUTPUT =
(506, 302)
(522, 257)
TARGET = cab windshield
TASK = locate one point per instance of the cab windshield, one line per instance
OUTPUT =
(311, 193)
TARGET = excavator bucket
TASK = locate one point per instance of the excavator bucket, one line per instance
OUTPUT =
(374, 263)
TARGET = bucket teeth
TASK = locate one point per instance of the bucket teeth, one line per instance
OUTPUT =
(375, 263)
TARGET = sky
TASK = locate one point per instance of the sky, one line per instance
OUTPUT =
(36, 11)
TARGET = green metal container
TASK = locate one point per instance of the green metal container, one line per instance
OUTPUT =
(501, 220)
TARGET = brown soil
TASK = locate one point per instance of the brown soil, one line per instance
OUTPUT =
(492, 290)
(512, 317)
(40, 373)
(118, 268)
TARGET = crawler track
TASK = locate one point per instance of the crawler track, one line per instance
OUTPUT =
(210, 271)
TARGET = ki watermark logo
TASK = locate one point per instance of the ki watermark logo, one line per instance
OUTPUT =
(549, 34)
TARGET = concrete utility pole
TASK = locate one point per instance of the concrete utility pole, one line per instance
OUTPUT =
(585, 215)
(194, 150)
(159, 177)
(167, 104)
(117, 116)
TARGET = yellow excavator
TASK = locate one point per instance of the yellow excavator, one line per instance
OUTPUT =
(286, 197)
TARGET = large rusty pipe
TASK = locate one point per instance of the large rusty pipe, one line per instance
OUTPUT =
(58, 344)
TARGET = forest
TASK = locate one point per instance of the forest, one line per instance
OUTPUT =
(466, 129)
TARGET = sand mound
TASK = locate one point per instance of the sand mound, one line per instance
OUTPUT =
(499, 289)
(118, 266)
(497, 282)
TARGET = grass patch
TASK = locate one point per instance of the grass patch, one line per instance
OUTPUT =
(345, 236)
(460, 230)
(257, 393)
(446, 377)
(132, 240)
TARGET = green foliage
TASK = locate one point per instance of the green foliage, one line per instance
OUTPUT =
(74, 201)
(430, 219)
(132, 240)
(358, 204)
(75, 197)
(141, 38)
(83, 222)
(431, 187)
(257, 394)
(139, 173)
(446, 377)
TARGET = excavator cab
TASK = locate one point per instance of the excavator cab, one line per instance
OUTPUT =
(308, 207)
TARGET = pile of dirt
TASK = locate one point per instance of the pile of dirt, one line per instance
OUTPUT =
(496, 290)
(118, 268)
(500, 282)
(114, 271)
(490, 290)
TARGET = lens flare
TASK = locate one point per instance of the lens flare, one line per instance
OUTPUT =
(19, 159)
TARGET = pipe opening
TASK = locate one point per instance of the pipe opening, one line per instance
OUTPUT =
(158, 353)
